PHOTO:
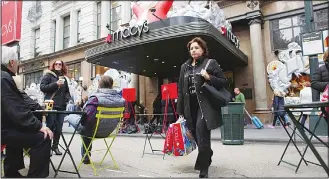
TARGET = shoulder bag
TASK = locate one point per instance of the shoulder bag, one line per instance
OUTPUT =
(218, 97)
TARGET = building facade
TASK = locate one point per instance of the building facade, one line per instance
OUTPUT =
(63, 30)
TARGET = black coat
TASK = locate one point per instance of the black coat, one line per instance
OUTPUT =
(15, 113)
(49, 86)
(33, 105)
(320, 78)
(212, 114)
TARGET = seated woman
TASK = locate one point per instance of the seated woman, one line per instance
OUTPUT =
(106, 97)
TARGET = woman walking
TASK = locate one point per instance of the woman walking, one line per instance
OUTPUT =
(193, 104)
(55, 87)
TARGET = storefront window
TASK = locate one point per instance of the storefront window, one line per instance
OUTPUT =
(74, 71)
(287, 30)
(34, 77)
(100, 70)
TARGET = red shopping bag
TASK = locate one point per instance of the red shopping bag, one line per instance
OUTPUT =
(179, 148)
(168, 145)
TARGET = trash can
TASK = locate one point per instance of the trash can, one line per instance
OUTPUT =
(232, 131)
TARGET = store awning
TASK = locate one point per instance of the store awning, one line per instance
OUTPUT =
(162, 50)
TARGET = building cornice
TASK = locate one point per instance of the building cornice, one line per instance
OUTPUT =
(225, 3)
(56, 54)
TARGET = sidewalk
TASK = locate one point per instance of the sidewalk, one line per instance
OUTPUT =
(251, 134)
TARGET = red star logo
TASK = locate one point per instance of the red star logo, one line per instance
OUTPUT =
(162, 8)
(223, 30)
(108, 38)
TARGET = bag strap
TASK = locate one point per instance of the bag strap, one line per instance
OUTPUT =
(53, 95)
(208, 62)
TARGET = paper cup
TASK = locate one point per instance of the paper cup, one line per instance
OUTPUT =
(49, 104)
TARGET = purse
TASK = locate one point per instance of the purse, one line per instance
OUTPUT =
(218, 97)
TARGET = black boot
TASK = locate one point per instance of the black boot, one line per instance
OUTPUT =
(203, 173)
(56, 151)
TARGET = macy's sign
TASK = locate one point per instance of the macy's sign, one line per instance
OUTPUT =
(128, 32)
(229, 34)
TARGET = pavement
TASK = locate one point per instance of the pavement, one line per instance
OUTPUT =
(251, 134)
(253, 159)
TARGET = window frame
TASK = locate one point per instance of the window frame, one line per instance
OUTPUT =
(291, 27)
(119, 16)
(36, 48)
(78, 25)
(76, 74)
(40, 72)
(66, 26)
(98, 20)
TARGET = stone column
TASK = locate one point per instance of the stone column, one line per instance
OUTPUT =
(258, 65)
(73, 27)
(105, 17)
(59, 32)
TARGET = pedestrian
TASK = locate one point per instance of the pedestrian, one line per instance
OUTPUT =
(19, 127)
(278, 108)
(239, 97)
(54, 85)
(201, 117)
(320, 78)
(306, 97)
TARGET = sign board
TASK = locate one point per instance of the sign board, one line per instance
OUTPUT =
(312, 43)
(11, 18)
(127, 32)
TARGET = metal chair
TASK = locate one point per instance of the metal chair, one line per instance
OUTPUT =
(104, 129)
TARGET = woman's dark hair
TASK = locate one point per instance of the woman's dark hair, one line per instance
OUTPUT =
(106, 82)
(64, 67)
(201, 43)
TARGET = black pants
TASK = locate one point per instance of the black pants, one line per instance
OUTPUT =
(39, 153)
(87, 142)
(55, 123)
(202, 135)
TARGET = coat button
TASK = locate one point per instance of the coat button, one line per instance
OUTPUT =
(200, 101)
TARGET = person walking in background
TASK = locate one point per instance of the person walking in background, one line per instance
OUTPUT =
(278, 108)
(55, 86)
(195, 106)
(306, 97)
(239, 97)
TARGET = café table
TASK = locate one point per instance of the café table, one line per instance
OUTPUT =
(66, 145)
(292, 109)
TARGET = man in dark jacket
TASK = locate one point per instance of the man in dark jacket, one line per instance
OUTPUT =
(19, 127)
(320, 79)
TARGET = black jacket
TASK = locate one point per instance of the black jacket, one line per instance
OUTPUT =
(49, 86)
(212, 114)
(15, 113)
(320, 78)
(33, 105)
